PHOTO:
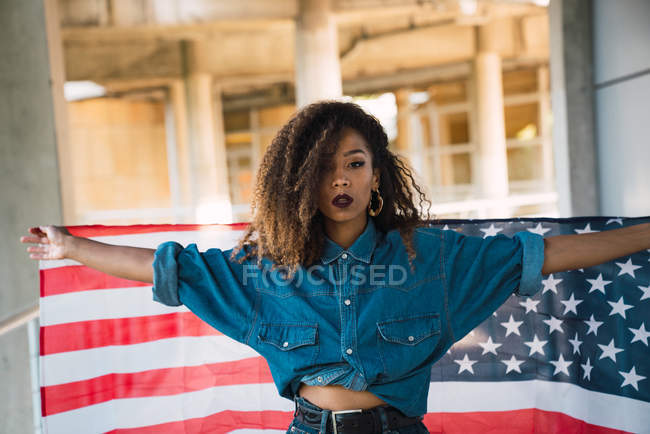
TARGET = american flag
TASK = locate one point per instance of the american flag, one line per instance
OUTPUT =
(572, 358)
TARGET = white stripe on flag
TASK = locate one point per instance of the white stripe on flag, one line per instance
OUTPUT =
(225, 239)
(72, 366)
(140, 412)
(102, 304)
(593, 407)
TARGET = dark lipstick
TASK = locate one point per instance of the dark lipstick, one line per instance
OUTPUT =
(342, 201)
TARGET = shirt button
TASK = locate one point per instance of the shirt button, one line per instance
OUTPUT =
(344, 256)
(411, 338)
(286, 344)
(349, 351)
(320, 379)
(347, 302)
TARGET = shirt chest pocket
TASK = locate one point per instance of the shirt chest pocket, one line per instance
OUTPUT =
(405, 343)
(291, 344)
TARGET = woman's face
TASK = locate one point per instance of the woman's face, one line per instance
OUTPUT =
(345, 186)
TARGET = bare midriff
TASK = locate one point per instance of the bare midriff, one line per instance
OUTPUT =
(338, 398)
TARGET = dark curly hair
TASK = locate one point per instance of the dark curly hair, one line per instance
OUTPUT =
(287, 225)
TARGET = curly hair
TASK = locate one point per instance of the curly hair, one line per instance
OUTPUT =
(287, 225)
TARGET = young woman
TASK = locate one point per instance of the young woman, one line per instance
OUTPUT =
(339, 282)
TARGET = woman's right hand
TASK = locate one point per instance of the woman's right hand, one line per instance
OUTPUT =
(51, 242)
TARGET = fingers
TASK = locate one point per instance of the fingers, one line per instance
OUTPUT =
(35, 240)
(38, 249)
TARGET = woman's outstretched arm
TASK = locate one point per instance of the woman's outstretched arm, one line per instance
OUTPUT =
(570, 252)
(55, 242)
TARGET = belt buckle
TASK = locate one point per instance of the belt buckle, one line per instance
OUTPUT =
(335, 412)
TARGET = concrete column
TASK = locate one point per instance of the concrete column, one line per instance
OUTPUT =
(545, 125)
(404, 131)
(31, 90)
(208, 163)
(256, 141)
(574, 145)
(318, 70)
(178, 152)
(493, 163)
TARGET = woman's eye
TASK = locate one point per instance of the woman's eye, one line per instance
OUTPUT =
(360, 163)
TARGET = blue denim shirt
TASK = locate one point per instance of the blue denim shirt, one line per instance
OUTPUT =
(359, 317)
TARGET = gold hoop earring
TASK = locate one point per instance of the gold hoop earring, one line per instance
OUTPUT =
(372, 212)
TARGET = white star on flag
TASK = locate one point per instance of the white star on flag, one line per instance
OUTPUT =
(539, 230)
(513, 364)
(586, 230)
(598, 284)
(445, 228)
(646, 292)
(576, 344)
(593, 325)
(617, 220)
(491, 231)
(536, 346)
(561, 365)
(627, 268)
(640, 334)
(465, 364)
(554, 324)
(619, 307)
(512, 326)
(530, 305)
(609, 350)
(631, 378)
(570, 305)
(587, 368)
(550, 284)
(489, 346)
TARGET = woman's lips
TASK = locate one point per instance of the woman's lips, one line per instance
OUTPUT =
(342, 201)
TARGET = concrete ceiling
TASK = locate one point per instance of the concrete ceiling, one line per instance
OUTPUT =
(249, 44)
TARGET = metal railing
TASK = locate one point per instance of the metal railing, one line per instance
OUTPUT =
(19, 319)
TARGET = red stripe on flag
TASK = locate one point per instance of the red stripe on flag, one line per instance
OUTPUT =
(76, 278)
(221, 422)
(84, 335)
(515, 421)
(105, 231)
(155, 382)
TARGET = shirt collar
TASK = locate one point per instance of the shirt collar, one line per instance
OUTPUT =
(361, 249)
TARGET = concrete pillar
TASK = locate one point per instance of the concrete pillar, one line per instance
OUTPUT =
(574, 146)
(403, 141)
(545, 127)
(178, 152)
(208, 162)
(493, 163)
(31, 90)
(318, 70)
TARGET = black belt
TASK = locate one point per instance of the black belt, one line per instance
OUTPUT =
(355, 421)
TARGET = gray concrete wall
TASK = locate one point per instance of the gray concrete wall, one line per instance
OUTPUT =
(621, 32)
(574, 145)
(30, 189)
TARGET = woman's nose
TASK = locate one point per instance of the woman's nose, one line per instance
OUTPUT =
(340, 180)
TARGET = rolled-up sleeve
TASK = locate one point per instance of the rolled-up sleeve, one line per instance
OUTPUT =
(210, 284)
(481, 273)
(165, 274)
